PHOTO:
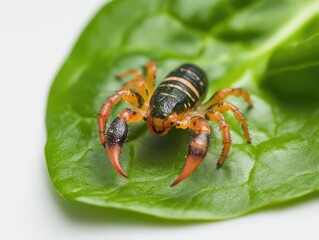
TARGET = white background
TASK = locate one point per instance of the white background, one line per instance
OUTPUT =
(35, 38)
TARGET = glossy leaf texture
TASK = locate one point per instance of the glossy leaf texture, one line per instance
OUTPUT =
(270, 48)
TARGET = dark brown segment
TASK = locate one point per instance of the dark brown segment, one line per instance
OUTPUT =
(115, 137)
(194, 75)
(180, 90)
(117, 132)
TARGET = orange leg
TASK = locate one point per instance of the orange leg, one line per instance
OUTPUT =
(128, 96)
(138, 81)
(225, 106)
(130, 115)
(216, 116)
(136, 73)
(223, 93)
(197, 149)
(140, 87)
(116, 135)
(151, 68)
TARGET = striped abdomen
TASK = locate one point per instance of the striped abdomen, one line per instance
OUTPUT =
(182, 89)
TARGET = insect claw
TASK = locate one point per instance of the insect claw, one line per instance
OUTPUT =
(114, 154)
(196, 153)
(191, 164)
(115, 137)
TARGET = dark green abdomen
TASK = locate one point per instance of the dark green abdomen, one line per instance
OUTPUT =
(182, 89)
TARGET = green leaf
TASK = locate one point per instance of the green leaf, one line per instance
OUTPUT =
(269, 48)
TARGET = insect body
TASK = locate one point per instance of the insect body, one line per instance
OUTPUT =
(179, 92)
(174, 103)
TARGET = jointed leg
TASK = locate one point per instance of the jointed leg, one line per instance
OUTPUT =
(138, 81)
(140, 87)
(223, 93)
(197, 149)
(144, 87)
(128, 96)
(116, 135)
(216, 116)
(151, 68)
(224, 107)
(130, 115)
(136, 73)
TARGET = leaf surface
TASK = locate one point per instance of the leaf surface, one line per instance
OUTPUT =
(269, 48)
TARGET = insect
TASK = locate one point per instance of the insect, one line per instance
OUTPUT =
(174, 103)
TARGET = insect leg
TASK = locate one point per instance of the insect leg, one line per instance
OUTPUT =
(151, 68)
(138, 81)
(116, 135)
(128, 96)
(223, 93)
(216, 116)
(197, 149)
(225, 106)
(136, 73)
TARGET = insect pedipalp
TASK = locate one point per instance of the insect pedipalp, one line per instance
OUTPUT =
(115, 137)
